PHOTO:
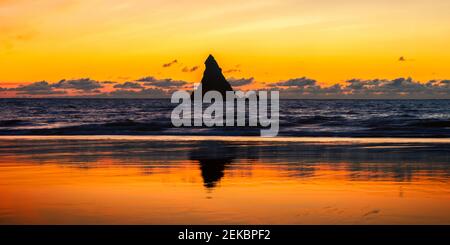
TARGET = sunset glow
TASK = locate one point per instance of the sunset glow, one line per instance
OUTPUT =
(271, 41)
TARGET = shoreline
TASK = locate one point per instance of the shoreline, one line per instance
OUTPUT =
(228, 138)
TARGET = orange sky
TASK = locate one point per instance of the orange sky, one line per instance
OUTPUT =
(327, 40)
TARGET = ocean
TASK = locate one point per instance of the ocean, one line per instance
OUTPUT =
(324, 118)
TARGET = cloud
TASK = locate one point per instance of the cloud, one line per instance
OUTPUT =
(129, 85)
(297, 82)
(301, 88)
(165, 82)
(43, 88)
(83, 84)
(364, 89)
(237, 82)
(439, 83)
(187, 69)
(37, 88)
(404, 59)
(147, 87)
(232, 70)
(170, 63)
(143, 93)
(380, 86)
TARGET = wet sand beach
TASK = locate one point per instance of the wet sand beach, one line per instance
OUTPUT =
(223, 180)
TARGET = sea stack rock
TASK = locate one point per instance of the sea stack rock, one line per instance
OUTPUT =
(213, 78)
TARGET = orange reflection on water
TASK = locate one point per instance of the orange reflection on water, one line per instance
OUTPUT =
(108, 190)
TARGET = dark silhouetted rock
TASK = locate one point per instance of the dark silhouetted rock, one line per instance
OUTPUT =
(213, 79)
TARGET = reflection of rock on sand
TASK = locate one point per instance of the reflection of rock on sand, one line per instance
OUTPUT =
(213, 159)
